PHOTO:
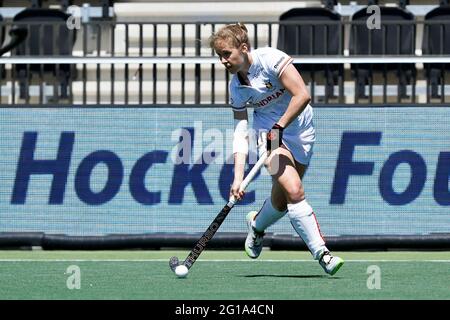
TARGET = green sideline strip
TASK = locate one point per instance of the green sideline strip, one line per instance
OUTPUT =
(216, 255)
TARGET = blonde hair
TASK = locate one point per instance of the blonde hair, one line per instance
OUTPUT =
(236, 33)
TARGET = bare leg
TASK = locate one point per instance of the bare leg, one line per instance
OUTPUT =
(287, 172)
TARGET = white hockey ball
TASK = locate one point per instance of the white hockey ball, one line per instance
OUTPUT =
(181, 271)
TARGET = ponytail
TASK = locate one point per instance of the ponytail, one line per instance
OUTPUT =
(236, 33)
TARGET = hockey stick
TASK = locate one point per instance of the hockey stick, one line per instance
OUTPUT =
(214, 226)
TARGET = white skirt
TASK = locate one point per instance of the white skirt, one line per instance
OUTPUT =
(298, 137)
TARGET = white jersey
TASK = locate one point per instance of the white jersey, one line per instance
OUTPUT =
(270, 100)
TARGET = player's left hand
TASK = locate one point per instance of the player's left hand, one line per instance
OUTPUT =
(274, 137)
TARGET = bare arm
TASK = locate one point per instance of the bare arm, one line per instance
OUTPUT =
(294, 84)
(239, 160)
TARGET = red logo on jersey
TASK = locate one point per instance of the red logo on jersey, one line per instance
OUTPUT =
(272, 135)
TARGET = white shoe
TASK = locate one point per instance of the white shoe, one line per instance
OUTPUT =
(254, 241)
(330, 263)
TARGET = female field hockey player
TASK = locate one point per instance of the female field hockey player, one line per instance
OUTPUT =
(266, 80)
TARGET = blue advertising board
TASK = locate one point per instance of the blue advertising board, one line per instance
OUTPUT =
(95, 171)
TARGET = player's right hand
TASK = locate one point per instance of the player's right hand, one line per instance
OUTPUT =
(234, 191)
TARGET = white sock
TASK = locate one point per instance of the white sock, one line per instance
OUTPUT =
(267, 216)
(305, 224)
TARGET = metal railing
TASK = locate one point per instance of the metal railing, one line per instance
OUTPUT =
(171, 63)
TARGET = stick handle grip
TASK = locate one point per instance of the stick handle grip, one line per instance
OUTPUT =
(250, 176)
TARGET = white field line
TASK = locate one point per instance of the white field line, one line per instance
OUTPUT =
(217, 260)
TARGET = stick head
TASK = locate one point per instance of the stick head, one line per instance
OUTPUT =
(173, 263)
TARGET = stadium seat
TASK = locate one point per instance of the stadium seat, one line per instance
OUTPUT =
(390, 39)
(50, 38)
(2, 31)
(2, 39)
(322, 36)
(436, 41)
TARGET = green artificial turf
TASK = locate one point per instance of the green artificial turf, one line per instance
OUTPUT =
(222, 275)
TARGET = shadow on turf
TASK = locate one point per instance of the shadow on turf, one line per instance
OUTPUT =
(304, 276)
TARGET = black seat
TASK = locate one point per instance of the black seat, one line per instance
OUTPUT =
(50, 36)
(2, 39)
(17, 36)
(391, 39)
(320, 33)
(436, 41)
(2, 31)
